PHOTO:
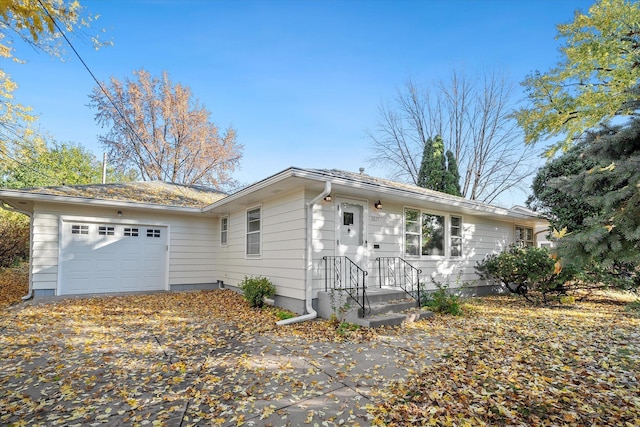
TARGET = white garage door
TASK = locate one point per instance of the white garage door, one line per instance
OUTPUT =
(104, 257)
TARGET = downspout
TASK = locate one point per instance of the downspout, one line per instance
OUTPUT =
(10, 208)
(311, 313)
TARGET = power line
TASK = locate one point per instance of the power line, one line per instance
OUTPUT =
(104, 91)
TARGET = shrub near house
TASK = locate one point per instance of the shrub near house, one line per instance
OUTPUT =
(529, 271)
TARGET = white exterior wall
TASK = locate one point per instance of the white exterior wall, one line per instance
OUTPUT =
(283, 237)
(385, 228)
(191, 242)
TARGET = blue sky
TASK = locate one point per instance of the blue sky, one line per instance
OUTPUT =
(300, 81)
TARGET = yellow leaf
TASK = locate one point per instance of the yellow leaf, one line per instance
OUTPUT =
(559, 234)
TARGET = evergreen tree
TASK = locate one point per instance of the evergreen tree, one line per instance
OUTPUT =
(452, 178)
(439, 171)
(433, 164)
(597, 196)
(554, 196)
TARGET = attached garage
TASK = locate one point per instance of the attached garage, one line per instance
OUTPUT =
(101, 257)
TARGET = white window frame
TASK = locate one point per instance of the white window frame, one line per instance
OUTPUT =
(447, 233)
(257, 232)
(453, 237)
(524, 242)
(224, 232)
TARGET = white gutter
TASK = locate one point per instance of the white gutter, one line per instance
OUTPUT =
(311, 313)
(10, 208)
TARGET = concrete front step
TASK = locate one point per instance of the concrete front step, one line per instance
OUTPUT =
(390, 319)
(388, 307)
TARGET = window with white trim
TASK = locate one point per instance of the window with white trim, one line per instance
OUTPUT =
(524, 236)
(130, 232)
(253, 231)
(153, 232)
(456, 236)
(224, 230)
(430, 234)
(105, 230)
(79, 229)
(412, 232)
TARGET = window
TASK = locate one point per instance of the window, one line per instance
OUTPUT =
(524, 236)
(347, 218)
(130, 232)
(79, 229)
(412, 232)
(253, 231)
(456, 236)
(224, 230)
(153, 232)
(432, 234)
(104, 230)
(424, 233)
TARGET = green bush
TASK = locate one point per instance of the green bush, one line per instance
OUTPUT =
(530, 272)
(256, 289)
(441, 300)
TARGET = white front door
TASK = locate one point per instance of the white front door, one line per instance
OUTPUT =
(351, 231)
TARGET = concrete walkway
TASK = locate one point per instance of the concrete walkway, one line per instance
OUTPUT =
(185, 371)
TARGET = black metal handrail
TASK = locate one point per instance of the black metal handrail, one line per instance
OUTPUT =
(397, 273)
(342, 274)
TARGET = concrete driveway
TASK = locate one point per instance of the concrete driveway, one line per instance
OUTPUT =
(183, 359)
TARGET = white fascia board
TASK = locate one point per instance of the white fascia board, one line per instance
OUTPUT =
(50, 198)
(460, 203)
(273, 179)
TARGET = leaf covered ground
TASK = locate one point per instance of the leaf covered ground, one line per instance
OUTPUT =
(508, 363)
(206, 358)
(14, 284)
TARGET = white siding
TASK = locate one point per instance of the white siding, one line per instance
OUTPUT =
(192, 240)
(385, 228)
(283, 236)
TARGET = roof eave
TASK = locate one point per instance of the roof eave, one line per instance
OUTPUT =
(292, 172)
(51, 198)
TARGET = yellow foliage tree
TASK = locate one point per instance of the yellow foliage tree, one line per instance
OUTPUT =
(38, 23)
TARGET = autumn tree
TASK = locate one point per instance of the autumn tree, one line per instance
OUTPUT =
(39, 164)
(438, 170)
(594, 82)
(162, 132)
(33, 22)
(473, 116)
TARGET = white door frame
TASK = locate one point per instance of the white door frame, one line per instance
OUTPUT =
(361, 257)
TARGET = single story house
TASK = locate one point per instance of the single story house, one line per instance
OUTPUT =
(289, 227)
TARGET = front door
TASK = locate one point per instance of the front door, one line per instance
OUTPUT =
(351, 231)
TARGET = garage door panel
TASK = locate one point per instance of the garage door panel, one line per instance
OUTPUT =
(97, 258)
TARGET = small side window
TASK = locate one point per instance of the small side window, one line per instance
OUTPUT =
(224, 230)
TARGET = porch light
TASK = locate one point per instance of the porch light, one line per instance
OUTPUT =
(327, 198)
(119, 214)
(378, 204)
